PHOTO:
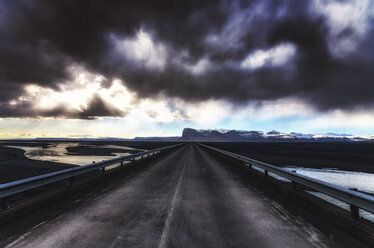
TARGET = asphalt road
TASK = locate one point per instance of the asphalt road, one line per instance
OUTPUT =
(187, 199)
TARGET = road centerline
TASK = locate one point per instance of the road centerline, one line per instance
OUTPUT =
(166, 229)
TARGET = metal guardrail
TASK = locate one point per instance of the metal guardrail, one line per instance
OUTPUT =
(12, 188)
(355, 199)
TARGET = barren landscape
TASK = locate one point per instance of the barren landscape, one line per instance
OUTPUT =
(14, 165)
(349, 156)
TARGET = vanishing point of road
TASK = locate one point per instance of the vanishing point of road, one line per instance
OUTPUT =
(187, 198)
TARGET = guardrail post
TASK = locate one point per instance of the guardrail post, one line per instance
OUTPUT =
(355, 212)
(103, 170)
(4, 202)
(71, 180)
(294, 185)
(266, 173)
(122, 163)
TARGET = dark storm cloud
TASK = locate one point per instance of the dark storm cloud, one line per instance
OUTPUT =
(39, 39)
(96, 107)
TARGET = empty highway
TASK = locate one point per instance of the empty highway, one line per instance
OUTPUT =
(187, 198)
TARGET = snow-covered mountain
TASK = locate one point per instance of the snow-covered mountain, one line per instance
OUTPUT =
(223, 135)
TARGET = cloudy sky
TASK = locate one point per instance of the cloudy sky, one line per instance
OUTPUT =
(97, 68)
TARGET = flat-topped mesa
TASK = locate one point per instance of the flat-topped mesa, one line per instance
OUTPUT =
(190, 134)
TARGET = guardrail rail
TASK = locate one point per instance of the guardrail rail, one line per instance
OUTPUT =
(15, 187)
(355, 199)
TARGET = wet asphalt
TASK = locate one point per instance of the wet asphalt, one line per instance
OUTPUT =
(187, 198)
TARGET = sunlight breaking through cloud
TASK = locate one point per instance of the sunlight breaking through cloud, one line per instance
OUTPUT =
(141, 49)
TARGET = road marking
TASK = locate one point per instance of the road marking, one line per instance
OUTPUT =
(165, 232)
(38, 225)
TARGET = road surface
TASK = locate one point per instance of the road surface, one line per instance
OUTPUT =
(186, 199)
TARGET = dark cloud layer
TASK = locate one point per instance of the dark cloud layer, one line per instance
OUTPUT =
(39, 39)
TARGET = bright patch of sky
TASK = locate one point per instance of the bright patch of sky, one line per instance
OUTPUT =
(201, 66)
(141, 49)
(350, 16)
(74, 95)
(275, 56)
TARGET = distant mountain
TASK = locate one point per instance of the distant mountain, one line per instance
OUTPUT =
(222, 135)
